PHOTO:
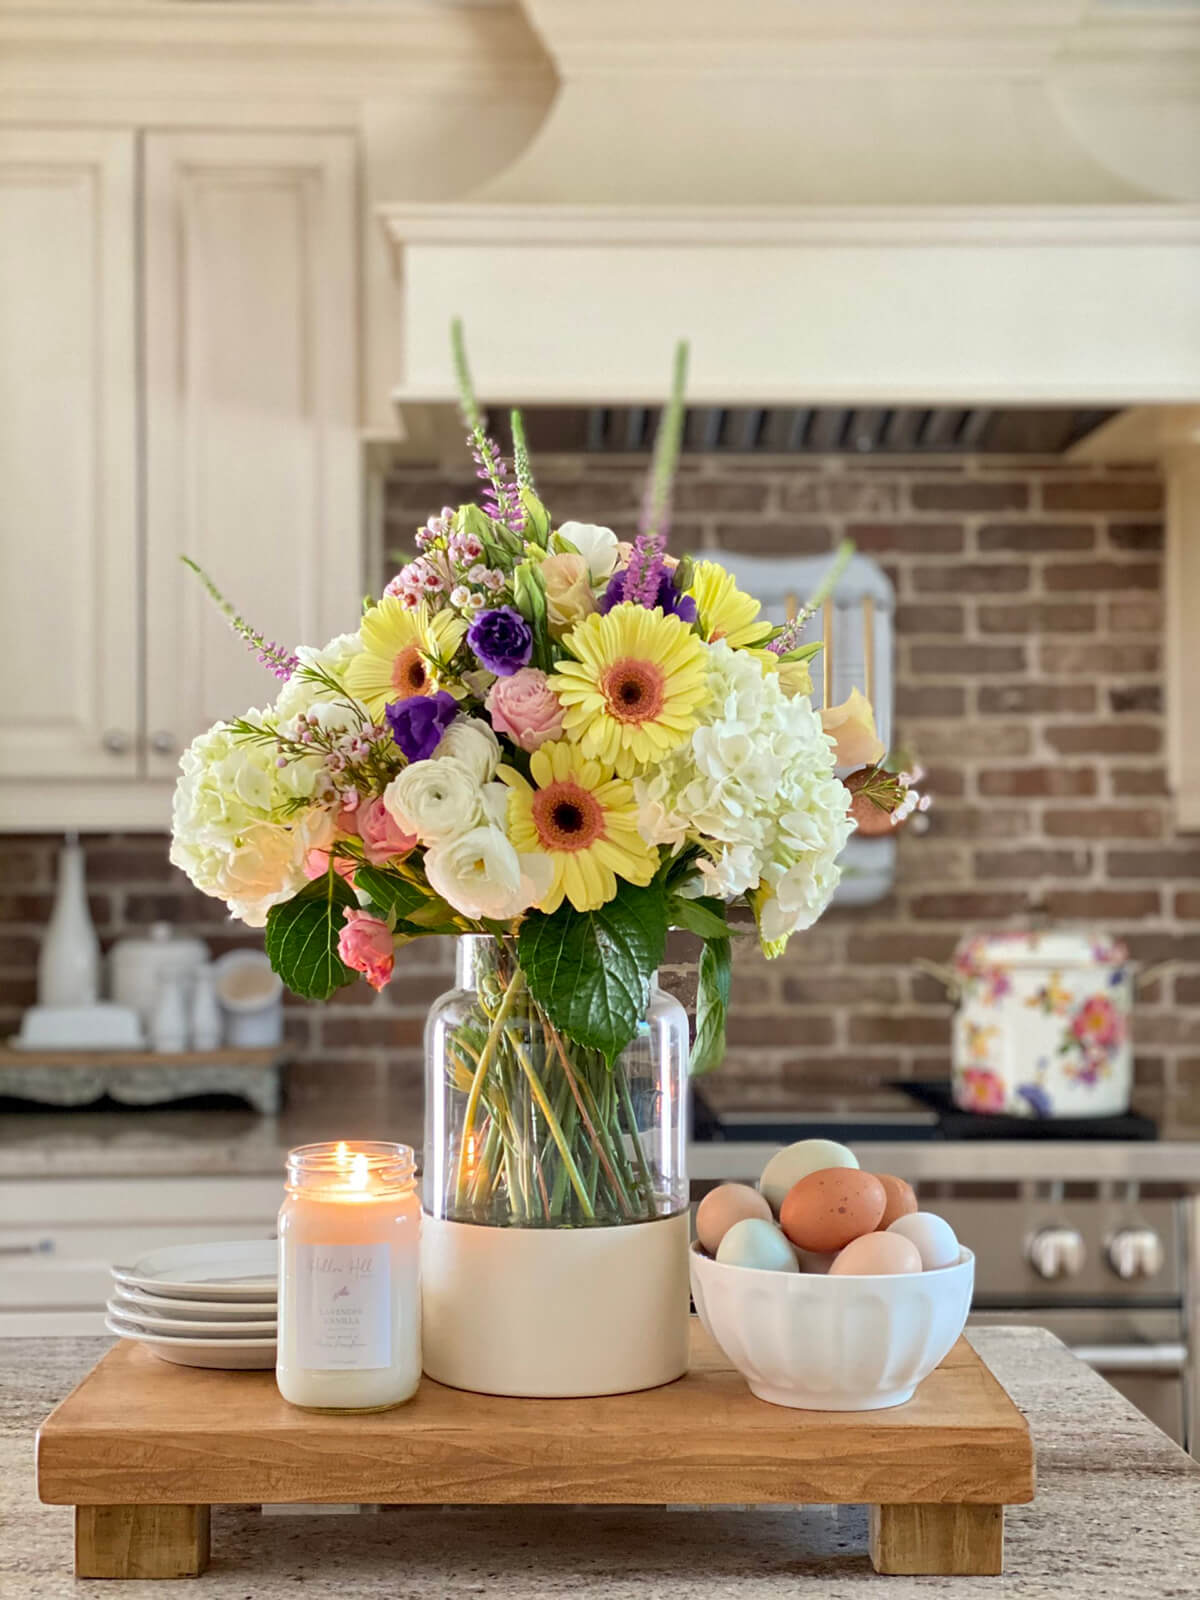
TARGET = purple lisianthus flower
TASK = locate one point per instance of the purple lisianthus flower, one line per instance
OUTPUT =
(665, 595)
(502, 640)
(419, 722)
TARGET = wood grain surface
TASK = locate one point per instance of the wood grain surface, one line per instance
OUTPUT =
(953, 1541)
(141, 1541)
(139, 1431)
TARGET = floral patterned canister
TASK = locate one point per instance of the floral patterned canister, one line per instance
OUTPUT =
(1042, 1027)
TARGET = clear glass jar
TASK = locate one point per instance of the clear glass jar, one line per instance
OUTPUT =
(349, 1278)
(525, 1129)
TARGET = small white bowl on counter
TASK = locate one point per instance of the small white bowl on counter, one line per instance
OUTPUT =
(821, 1343)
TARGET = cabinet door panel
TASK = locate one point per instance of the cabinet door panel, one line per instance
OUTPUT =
(252, 450)
(69, 599)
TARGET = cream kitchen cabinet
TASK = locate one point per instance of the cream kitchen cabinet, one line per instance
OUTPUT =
(179, 315)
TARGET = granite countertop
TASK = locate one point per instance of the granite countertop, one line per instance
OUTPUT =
(1117, 1517)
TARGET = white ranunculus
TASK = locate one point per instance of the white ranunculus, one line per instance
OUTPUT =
(472, 742)
(480, 874)
(495, 804)
(435, 800)
(236, 830)
(301, 692)
(597, 546)
(755, 788)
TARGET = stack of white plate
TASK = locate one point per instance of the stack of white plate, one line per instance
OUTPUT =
(200, 1305)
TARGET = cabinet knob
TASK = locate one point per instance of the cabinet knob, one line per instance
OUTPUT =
(116, 741)
(1135, 1253)
(1056, 1252)
(162, 742)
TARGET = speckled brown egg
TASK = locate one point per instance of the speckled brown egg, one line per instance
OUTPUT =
(901, 1199)
(829, 1208)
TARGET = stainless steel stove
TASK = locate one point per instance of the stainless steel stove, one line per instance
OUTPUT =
(1097, 1240)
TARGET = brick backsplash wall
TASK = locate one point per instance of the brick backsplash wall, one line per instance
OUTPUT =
(1029, 672)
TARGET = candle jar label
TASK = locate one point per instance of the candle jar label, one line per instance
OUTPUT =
(344, 1306)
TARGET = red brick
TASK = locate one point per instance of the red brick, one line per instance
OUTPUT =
(975, 577)
(1187, 905)
(1038, 617)
(1081, 575)
(973, 906)
(716, 494)
(1140, 697)
(381, 1030)
(889, 1028)
(1032, 699)
(971, 496)
(1186, 991)
(1031, 538)
(930, 700)
(1098, 659)
(17, 950)
(1166, 1027)
(958, 742)
(908, 538)
(844, 495)
(974, 822)
(918, 618)
(1112, 903)
(1033, 862)
(1035, 781)
(1104, 822)
(841, 988)
(1138, 780)
(1135, 535)
(951, 660)
(771, 538)
(1163, 863)
(1106, 738)
(887, 948)
(763, 1030)
(1135, 615)
(1102, 494)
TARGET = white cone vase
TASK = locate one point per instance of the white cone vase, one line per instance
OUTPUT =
(555, 1312)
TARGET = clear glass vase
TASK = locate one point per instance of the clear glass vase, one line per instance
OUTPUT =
(524, 1129)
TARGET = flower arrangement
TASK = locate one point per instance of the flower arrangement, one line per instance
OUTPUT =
(544, 734)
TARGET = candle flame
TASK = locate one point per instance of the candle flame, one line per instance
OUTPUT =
(359, 1172)
(341, 1155)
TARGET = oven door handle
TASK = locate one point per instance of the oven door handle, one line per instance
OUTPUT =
(1155, 1359)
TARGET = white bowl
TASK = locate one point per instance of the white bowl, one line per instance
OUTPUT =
(832, 1344)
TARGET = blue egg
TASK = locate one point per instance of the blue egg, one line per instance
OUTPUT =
(754, 1242)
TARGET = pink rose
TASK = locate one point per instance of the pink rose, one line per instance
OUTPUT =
(365, 945)
(382, 839)
(316, 865)
(526, 708)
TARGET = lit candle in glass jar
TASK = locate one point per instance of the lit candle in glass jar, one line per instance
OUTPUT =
(349, 1287)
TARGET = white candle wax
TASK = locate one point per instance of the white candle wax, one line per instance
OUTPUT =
(349, 1287)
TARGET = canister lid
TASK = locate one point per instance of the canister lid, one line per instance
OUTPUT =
(1042, 947)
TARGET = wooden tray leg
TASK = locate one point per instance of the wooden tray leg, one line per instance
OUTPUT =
(942, 1540)
(141, 1541)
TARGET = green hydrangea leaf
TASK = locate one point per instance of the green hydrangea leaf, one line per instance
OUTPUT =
(590, 970)
(302, 938)
(704, 916)
(712, 1003)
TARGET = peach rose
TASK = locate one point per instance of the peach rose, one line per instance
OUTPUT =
(852, 725)
(383, 839)
(526, 708)
(316, 864)
(569, 596)
(365, 945)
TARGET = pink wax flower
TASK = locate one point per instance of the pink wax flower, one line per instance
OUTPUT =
(382, 839)
(525, 707)
(365, 945)
(1098, 1022)
(980, 1090)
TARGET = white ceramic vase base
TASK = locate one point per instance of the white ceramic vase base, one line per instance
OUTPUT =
(554, 1312)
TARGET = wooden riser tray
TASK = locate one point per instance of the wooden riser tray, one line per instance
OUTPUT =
(142, 1449)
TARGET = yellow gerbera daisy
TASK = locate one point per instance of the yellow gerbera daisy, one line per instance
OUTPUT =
(631, 692)
(725, 611)
(584, 820)
(405, 652)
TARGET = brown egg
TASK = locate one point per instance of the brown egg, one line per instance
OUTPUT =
(829, 1208)
(901, 1199)
(722, 1207)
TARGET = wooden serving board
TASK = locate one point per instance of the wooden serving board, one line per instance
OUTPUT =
(142, 1449)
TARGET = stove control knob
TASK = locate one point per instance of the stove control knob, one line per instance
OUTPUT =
(1056, 1252)
(1135, 1253)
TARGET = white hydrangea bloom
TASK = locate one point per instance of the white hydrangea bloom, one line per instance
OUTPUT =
(755, 787)
(234, 831)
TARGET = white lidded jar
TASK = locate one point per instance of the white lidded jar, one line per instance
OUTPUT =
(1043, 1024)
(349, 1278)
